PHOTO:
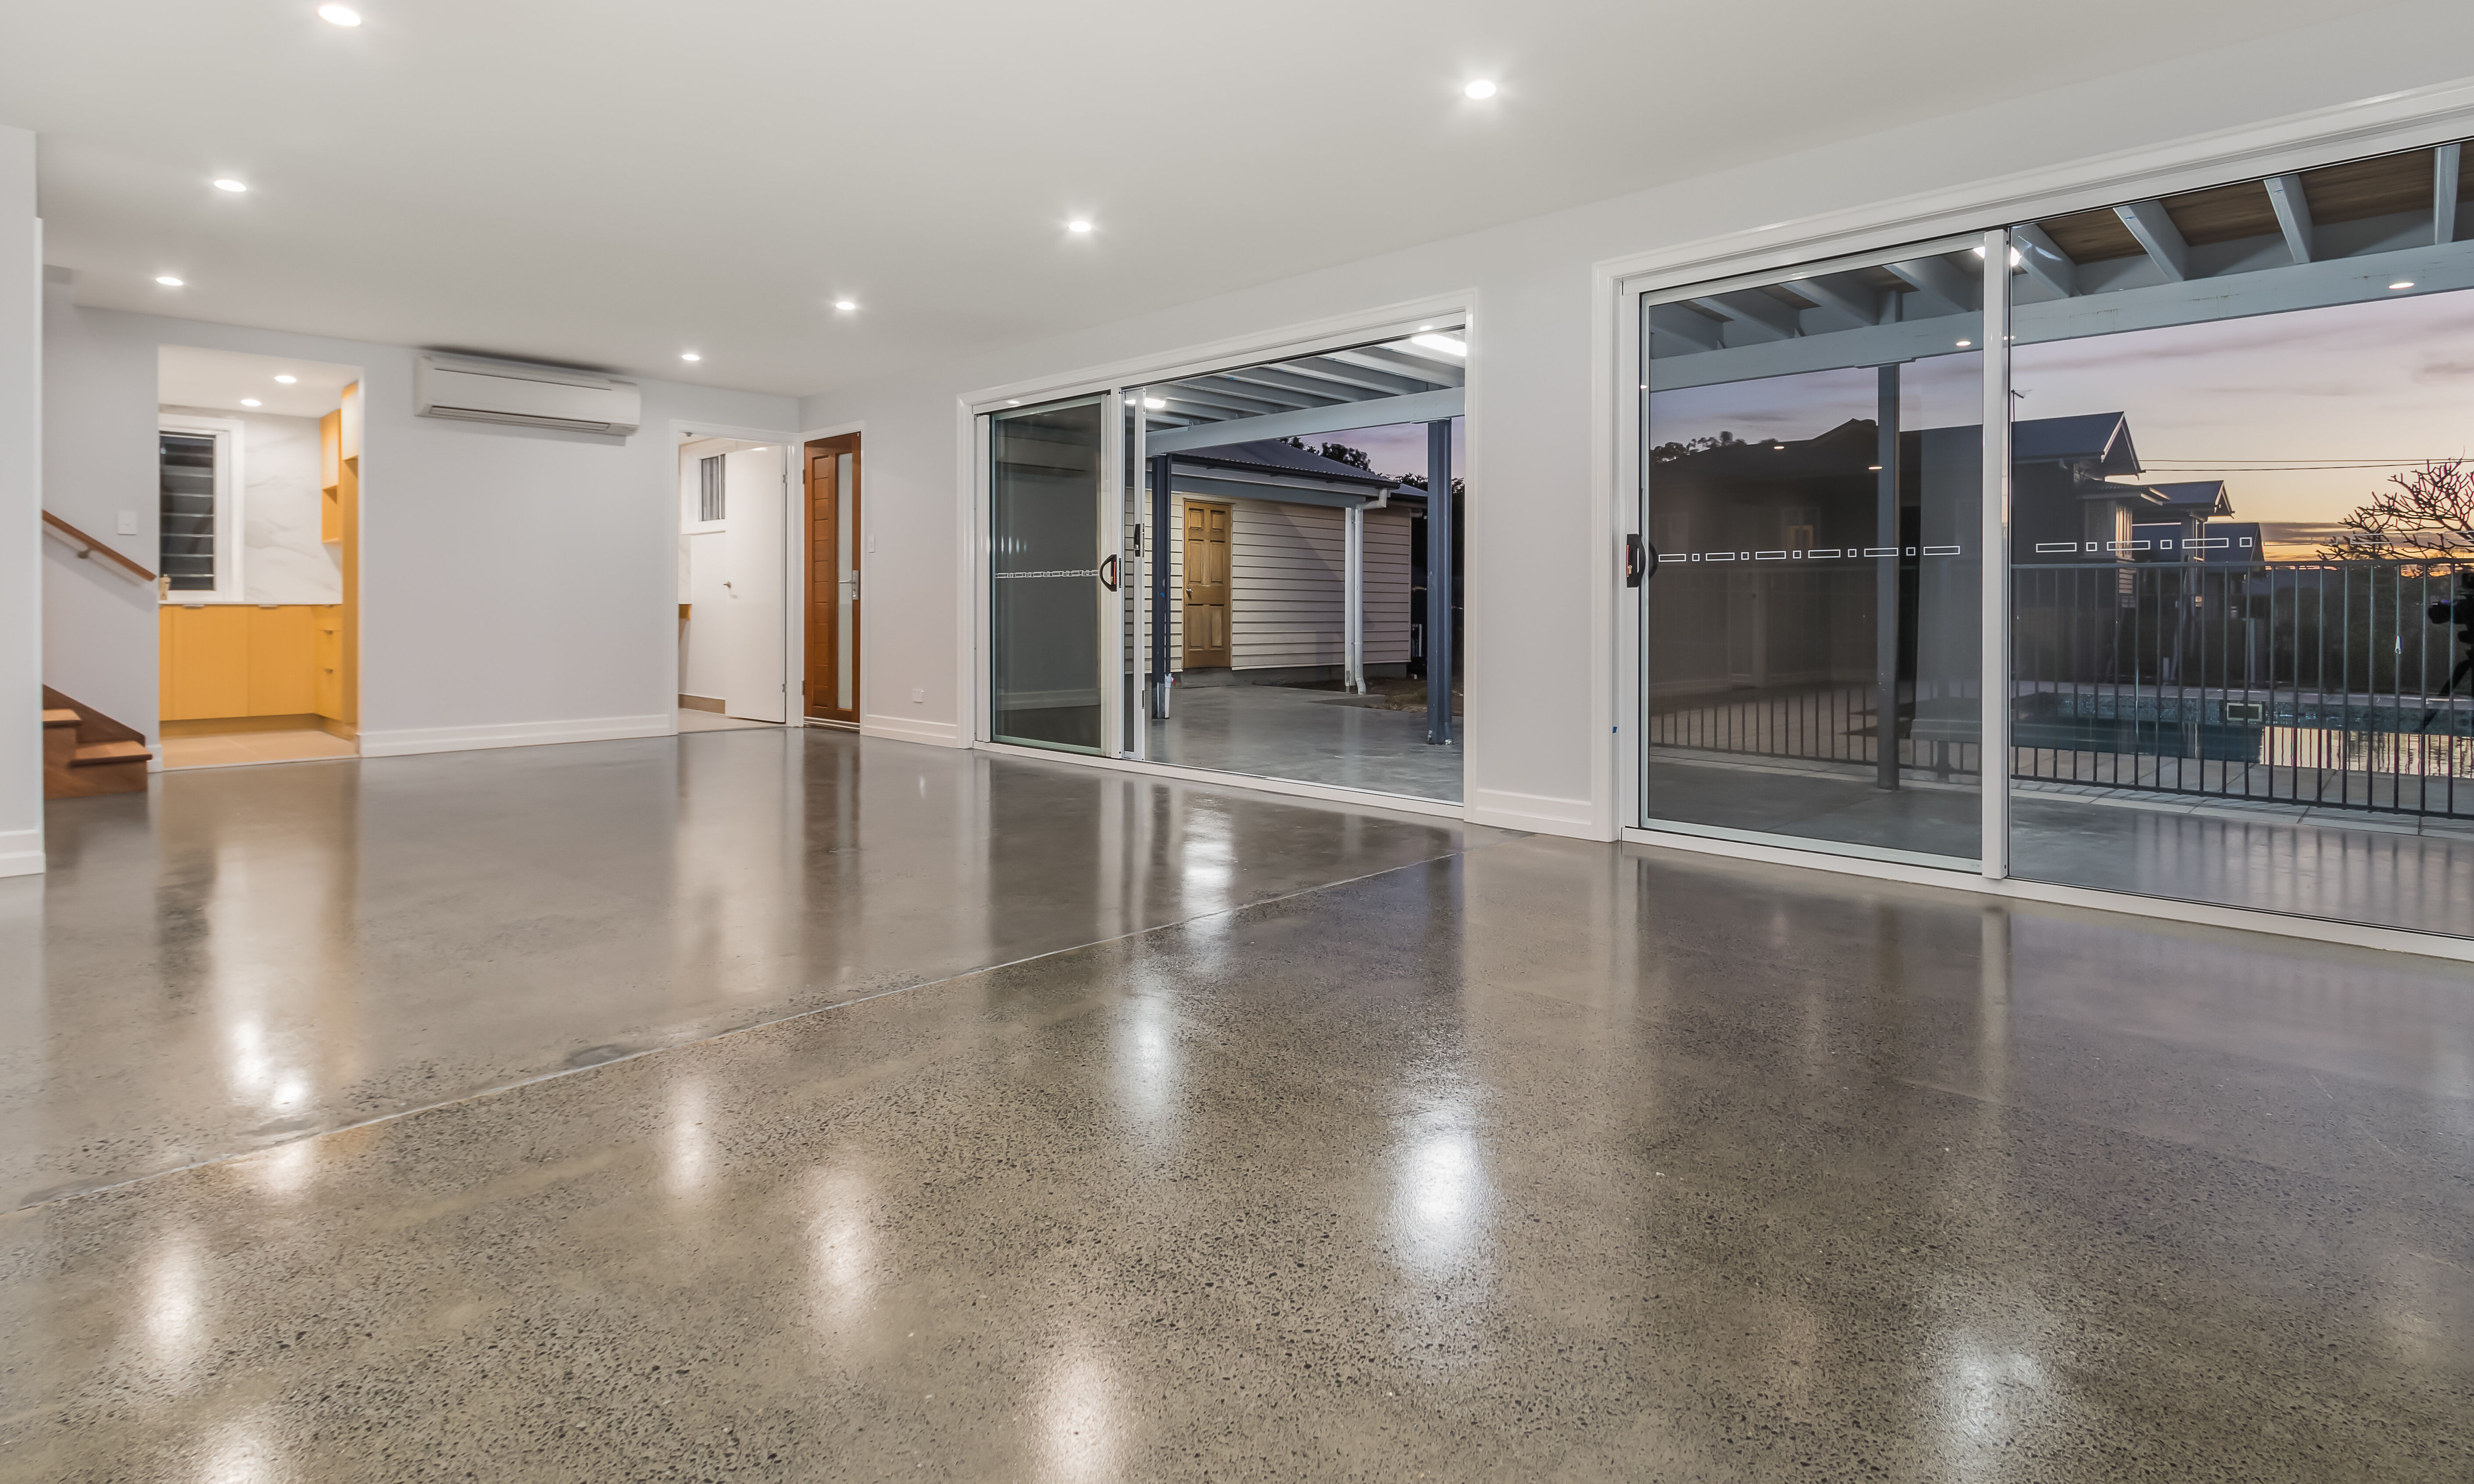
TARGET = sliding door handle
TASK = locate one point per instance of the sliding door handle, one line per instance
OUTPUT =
(1108, 574)
(1640, 561)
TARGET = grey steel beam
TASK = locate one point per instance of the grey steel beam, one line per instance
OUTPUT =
(1756, 310)
(1411, 372)
(2292, 215)
(1305, 391)
(1850, 296)
(2446, 162)
(1341, 417)
(1331, 367)
(1688, 326)
(2158, 236)
(1933, 275)
(2044, 260)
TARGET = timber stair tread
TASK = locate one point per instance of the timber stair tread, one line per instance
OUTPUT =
(91, 753)
(60, 716)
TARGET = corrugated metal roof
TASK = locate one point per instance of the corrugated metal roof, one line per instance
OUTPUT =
(1279, 456)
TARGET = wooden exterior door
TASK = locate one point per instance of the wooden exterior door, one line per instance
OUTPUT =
(831, 685)
(1206, 587)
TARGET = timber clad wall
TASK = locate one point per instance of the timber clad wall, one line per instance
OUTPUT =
(1288, 579)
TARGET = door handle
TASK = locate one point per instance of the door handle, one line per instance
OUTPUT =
(1108, 574)
(1640, 561)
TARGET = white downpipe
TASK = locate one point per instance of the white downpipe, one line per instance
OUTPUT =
(1354, 602)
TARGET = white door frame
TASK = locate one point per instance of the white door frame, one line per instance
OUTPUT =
(681, 429)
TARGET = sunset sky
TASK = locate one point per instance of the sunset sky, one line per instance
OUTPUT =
(2385, 383)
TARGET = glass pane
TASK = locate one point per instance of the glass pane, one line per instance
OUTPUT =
(1813, 487)
(1044, 504)
(846, 578)
(2240, 527)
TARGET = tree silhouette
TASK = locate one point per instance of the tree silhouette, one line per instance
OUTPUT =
(2426, 517)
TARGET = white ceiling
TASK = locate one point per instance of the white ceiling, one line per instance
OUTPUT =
(610, 182)
(190, 376)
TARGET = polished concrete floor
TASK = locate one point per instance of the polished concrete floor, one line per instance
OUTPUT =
(1306, 737)
(1213, 1137)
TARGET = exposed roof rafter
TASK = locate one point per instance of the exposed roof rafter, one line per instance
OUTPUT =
(2158, 236)
(2292, 215)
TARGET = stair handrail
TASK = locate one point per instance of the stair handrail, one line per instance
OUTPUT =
(88, 546)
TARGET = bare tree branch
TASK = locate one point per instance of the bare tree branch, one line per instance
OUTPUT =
(2426, 517)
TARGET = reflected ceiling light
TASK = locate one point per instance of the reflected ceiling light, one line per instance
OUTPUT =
(249, 401)
(1154, 403)
(228, 183)
(1078, 225)
(1481, 88)
(339, 15)
(1445, 344)
(845, 305)
(2015, 259)
(689, 355)
(1873, 469)
(2402, 283)
(287, 380)
(168, 281)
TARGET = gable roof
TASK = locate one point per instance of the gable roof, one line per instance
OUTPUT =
(1273, 455)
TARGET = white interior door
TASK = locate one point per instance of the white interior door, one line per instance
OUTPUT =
(753, 620)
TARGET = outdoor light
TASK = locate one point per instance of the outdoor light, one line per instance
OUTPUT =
(2402, 283)
(689, 355)
(232, 185)
(339, 15)
(287, 380)
(1078, 225)
(1443, 343)
(168, 281)
(1481, 88)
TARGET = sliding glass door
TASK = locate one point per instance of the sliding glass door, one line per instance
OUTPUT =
(1053, 629)
(2190, 614)
(1812, 491)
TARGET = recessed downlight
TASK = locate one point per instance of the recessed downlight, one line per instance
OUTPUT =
(339, 15)
(1078, 225)
(689, 355)
(168, 281)
(228, 183)
(1963, 344)
(845, 305)
(1154, 403)
(1449, 345)
(250, 401)
(2402, 283)
(1479, 87)
(287, 380)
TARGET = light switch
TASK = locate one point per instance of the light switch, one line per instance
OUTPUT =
(871, 545)
(919, 698)
(128, 522)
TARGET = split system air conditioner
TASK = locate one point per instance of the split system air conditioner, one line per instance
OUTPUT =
(540, 396)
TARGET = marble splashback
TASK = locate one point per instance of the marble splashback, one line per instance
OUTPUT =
(282, 561)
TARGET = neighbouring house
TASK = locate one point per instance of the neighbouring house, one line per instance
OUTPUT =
(1259, 556)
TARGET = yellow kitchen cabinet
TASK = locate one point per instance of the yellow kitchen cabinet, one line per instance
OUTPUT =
(327, 661)
(236, 659)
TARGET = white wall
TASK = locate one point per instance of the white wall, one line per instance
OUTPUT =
(516, 585)
(1539, 646)
(21, 719)
(282, 560)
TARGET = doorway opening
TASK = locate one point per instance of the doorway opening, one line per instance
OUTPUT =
(258, 510)
(734, 529)
(835, 545)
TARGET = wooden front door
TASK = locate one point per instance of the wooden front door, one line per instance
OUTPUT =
(832, 686)
(1206, 587)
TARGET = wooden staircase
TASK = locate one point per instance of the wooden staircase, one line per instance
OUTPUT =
(87, 752)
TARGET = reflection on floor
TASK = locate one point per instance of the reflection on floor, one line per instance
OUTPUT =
(1308, 736)
(1380, 1148)
(693, 720)
(2390, 871)
(241, 749)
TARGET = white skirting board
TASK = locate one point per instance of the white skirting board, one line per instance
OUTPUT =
(21, 853)
(458, 739)
(1539, 814)
(905, 729)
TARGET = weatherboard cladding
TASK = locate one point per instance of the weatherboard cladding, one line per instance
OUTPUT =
(1287, 584)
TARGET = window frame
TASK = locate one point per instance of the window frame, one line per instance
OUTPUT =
(230, 500)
